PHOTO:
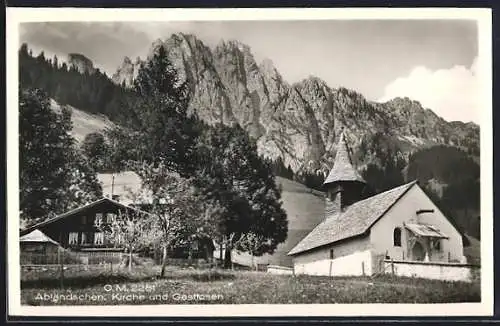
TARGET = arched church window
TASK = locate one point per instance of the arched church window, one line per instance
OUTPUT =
(397, 237)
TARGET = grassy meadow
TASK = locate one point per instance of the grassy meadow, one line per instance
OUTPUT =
(191, 286)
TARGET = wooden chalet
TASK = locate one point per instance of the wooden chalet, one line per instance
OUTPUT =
(77, 230)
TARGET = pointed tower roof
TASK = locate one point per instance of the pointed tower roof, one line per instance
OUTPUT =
(343, 170)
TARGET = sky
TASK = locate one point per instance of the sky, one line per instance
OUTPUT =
(431, 61)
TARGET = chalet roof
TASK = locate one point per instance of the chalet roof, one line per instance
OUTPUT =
(72, 212)
(37, 236)
(343, 170)
(356, 220)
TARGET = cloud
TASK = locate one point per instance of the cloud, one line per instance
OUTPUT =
(451, 93)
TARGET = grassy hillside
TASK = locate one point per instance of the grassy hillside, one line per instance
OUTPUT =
(84, 123)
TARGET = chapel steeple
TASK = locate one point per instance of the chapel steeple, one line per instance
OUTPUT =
(344, 185)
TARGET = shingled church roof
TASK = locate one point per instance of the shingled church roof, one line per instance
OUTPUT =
(354, 221)
(343, 170)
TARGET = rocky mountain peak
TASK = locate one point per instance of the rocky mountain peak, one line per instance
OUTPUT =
(298, 123)
(126, 72)
(231, 45)
(154, 47)
(188, 43)
(81, 63)
(313, 81)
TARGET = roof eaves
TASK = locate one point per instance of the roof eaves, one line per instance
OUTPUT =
(129, 207)
(61, 216)
(76, 210)
(357, 235)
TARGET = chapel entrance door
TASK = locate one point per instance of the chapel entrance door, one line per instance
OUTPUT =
(418, 251)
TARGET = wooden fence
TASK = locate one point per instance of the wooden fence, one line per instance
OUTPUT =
(70, 258)
(65, 263)
(64, 266)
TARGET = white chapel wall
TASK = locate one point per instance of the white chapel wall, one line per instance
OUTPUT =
(404, 211)
(435, 271)
(352, 257)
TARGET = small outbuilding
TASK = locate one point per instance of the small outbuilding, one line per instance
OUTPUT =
(38, 248)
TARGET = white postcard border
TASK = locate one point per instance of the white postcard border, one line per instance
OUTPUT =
(15, 16)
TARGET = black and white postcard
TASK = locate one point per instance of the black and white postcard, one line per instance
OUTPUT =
(250, 162)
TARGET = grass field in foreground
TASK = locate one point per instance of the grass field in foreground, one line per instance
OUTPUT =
(187, 286)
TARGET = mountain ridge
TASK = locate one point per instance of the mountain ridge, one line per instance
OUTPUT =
(296, 121)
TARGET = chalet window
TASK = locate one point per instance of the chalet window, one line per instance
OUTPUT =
(99, 238)
(84, 238)
(73, 238)
(397, 237)
(110, 217)
(331, 253)
(98, 219)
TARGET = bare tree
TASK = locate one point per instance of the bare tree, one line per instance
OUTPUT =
(251, 243)
(173, 200)
(132, 230)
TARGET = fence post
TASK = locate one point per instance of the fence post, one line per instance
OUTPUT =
(392, 266)
(61, 265)
(363, 267)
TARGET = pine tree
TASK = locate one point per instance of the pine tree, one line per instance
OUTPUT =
(165, 133)
(241, 188)
(53, 176)
(94, 93)
(96, 150)
(55, 62)
(387, 173)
